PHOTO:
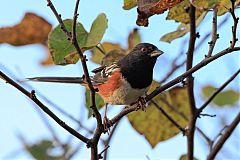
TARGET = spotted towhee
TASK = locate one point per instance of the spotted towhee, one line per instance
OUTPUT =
(123, 82)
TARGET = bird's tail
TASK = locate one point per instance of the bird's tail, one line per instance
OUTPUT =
(76, 80)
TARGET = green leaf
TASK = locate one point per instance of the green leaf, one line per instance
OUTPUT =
(41, 150)
(179, 12)
(60, 47)
(152, 124)
(58, 44)
(97, 56)
(181, 30)
(99, 102)
(184, 157)
(129, 4)
(227, 97)
(97, 31)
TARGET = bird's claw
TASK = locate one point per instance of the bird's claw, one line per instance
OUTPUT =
(141, 104)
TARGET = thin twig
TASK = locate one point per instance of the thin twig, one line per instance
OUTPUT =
(207, 115)
(101, 50)
(174, 68)
(169, 117)
(58, 16)
(190, 85)
(104, 150)
(218, 91)
(33, 97)
(216, 148)
(214, 33)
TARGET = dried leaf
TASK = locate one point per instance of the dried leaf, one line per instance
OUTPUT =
(153, 124)
(113, 56)
(97, 56)
(71, 58)
(147, 8)
(134, 38)
(32, 29)
(129, 4)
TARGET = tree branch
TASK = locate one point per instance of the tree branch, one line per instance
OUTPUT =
(229, 130)
(94, 141)
(190, 85)
(218, 91)
(33, 97)
(198, 66)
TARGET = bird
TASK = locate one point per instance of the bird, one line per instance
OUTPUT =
(123, 82)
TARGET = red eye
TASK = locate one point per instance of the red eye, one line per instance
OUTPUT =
(143, 49)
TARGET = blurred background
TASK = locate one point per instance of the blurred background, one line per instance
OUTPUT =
(23, 124)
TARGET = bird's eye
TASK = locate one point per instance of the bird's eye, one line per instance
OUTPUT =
(143, 49)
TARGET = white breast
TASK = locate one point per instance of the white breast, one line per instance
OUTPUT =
(125, 95)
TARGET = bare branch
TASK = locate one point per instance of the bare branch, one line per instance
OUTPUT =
(214, 33)
(224, 137)
(190, 84)
(33, 97)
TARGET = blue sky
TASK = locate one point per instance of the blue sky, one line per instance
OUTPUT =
(19, 115)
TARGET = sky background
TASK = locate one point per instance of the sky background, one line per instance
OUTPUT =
(19, 116)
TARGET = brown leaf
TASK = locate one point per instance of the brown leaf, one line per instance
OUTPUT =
(147, 8)
(48, 60)
(32, 29)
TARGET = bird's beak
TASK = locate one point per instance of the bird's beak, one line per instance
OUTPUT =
(156, 53)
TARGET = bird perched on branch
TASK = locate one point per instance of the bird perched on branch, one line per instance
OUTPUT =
(124, 82)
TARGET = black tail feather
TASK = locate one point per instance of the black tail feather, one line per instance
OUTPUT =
(77, 80)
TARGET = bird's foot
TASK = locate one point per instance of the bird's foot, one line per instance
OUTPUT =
(107, 124)
(142, 104)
